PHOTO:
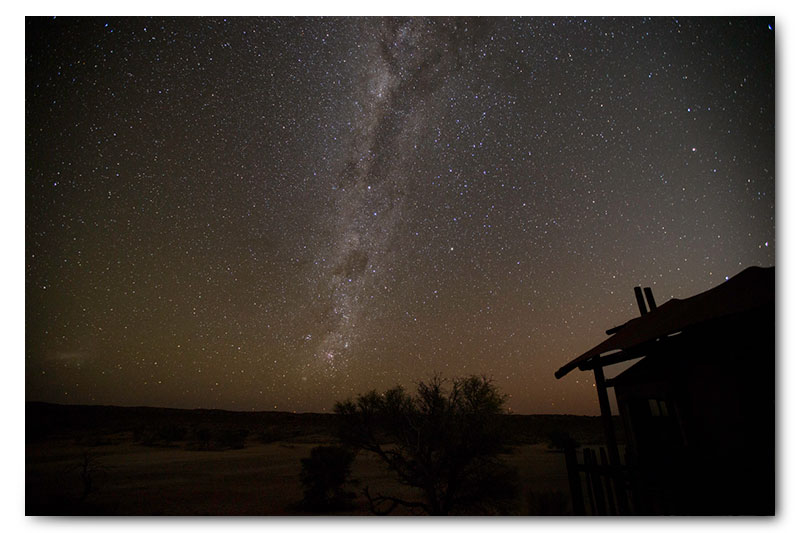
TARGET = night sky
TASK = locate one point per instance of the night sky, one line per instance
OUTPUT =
(281, 213)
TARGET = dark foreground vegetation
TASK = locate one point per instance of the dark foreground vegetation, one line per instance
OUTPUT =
(93, 424)
(443, 441)
(87, 460)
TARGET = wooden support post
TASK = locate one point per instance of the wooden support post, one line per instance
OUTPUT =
(605, 411)
(633, 484)
(597, 485)
(611, 439)
(609, 480)
(588, 468)
(578, 505)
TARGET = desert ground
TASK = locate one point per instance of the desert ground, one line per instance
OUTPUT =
(83, 460)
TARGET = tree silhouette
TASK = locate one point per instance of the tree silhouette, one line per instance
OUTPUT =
(90, 470)
(443, 442)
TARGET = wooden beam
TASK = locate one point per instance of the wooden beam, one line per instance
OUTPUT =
(605, 411)
(653, 347)
(612, 359)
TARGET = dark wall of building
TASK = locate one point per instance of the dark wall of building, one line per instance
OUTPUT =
(699, 418)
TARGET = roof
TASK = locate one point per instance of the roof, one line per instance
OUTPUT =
(752, 288)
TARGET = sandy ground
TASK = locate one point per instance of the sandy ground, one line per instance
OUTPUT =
(260, 479)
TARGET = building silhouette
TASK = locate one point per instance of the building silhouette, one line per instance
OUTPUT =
(698, 407)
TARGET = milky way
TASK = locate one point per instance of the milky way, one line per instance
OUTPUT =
(278, 213)
(405, 62)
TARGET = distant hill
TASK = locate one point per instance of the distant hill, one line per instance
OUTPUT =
(48, 420)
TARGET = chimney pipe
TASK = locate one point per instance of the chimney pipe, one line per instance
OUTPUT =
(640, 300)
(651, 301)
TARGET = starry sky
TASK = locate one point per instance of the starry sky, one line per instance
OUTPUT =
(279, 213)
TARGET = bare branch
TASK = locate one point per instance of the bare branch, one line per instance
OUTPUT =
(380, 499)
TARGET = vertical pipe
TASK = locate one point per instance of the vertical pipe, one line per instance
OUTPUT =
(640, 300)
(651, 301)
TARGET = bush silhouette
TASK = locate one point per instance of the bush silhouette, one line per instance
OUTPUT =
(562, 441)
(159, 435)
(269, 435)
(548, 503)
(232, 438)
(443, 441)
(202, 436)
(218, 439)
(323, 475)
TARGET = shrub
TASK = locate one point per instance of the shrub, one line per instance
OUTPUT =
(324, 474)
(562, 441)
(169, 433)
(548, 503)
(202, 436)
(268, 435)
(162, 435)
(232, 438)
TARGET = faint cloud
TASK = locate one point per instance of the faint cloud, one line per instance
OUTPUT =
(69, 358)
